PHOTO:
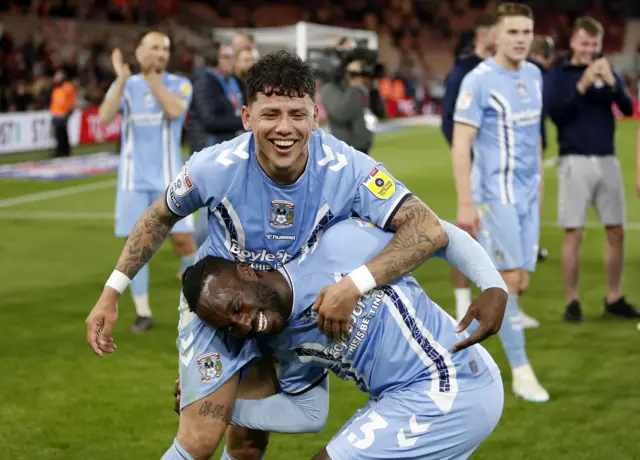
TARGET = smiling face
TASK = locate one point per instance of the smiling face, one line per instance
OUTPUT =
(282, 126)
(241, 303)
(584, 46)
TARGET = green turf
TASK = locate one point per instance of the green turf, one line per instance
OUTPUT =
(59, 401)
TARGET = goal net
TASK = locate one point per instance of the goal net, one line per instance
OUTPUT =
(303, 37)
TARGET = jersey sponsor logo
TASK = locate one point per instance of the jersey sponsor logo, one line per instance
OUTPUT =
(464, 100)
(182, 184)
(380, 184)
(210, 367)
(259, 260)
(281, 214)
(147, 119)
(276, 237)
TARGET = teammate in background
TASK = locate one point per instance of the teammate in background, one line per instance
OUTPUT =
(426, 402)
(271, 193)
(153, 104)
(483, 48)
(498, 113)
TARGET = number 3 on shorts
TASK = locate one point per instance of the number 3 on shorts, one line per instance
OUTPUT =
(376, 423)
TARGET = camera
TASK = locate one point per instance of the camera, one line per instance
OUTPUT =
(371, 67)
(331, 64)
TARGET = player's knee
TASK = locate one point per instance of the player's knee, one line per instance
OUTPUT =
(184, 243)
(615, 235)
(512, 280)
(573, 237)
(524, 282)
(246, 444)
(198, 442)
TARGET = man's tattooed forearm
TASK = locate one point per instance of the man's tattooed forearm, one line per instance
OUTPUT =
(146, 237)
(418, 235)
(217, 412)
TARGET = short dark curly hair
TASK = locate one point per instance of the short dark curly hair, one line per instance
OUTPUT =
(281, 73)
(194, 277)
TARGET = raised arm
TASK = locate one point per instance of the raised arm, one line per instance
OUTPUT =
(111, 104)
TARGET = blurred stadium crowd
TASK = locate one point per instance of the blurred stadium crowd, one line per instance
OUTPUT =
(418, 39)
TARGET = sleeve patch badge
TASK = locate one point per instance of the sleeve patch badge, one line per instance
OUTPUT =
(185, 89)
(380, 184)
(464, 100)
(182, 184)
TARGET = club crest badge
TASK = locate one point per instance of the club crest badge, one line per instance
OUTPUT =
(210, 367)
(281, 214)
(522, 89)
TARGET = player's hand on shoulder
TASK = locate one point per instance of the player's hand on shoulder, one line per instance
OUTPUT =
(334, 305)
(468, 219)
(488, 309)
(121, 69)
(100, 322)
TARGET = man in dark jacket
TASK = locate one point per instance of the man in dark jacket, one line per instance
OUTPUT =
(578, 96)
(483, 48)
(214, 115)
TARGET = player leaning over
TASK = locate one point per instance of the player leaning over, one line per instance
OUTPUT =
(498, 112)
(425, 403)
(271, 193)
(153, 104)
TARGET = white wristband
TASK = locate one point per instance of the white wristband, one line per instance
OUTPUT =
(118, 281)
(363, 279)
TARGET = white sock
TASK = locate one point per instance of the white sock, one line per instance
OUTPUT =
(142, 305)
(463, 301)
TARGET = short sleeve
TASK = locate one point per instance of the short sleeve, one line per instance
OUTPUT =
(187, 192)
(379, 195)
(470, 103)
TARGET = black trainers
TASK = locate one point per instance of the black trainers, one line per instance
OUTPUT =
(621, 308)
(573, 313)
(142, 324)
(542, 255)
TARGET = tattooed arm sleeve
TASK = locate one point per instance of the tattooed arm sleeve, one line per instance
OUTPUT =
(418, 235)
(147, 236)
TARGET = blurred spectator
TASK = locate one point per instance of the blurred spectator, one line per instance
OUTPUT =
(63, 102)
(214, 115)
(243, 62)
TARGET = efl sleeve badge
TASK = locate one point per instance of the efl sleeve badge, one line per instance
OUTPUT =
(380, 184)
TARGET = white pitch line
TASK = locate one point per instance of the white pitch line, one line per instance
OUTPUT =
(41, 196)
(46, 215)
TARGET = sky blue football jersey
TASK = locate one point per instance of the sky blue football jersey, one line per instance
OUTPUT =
(506, 107)
(399, 336)
(150, 152)
(254, 220)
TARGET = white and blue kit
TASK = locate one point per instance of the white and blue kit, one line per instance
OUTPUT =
(506, 107)
(150, 154)
(251, 219)
(425, 402)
